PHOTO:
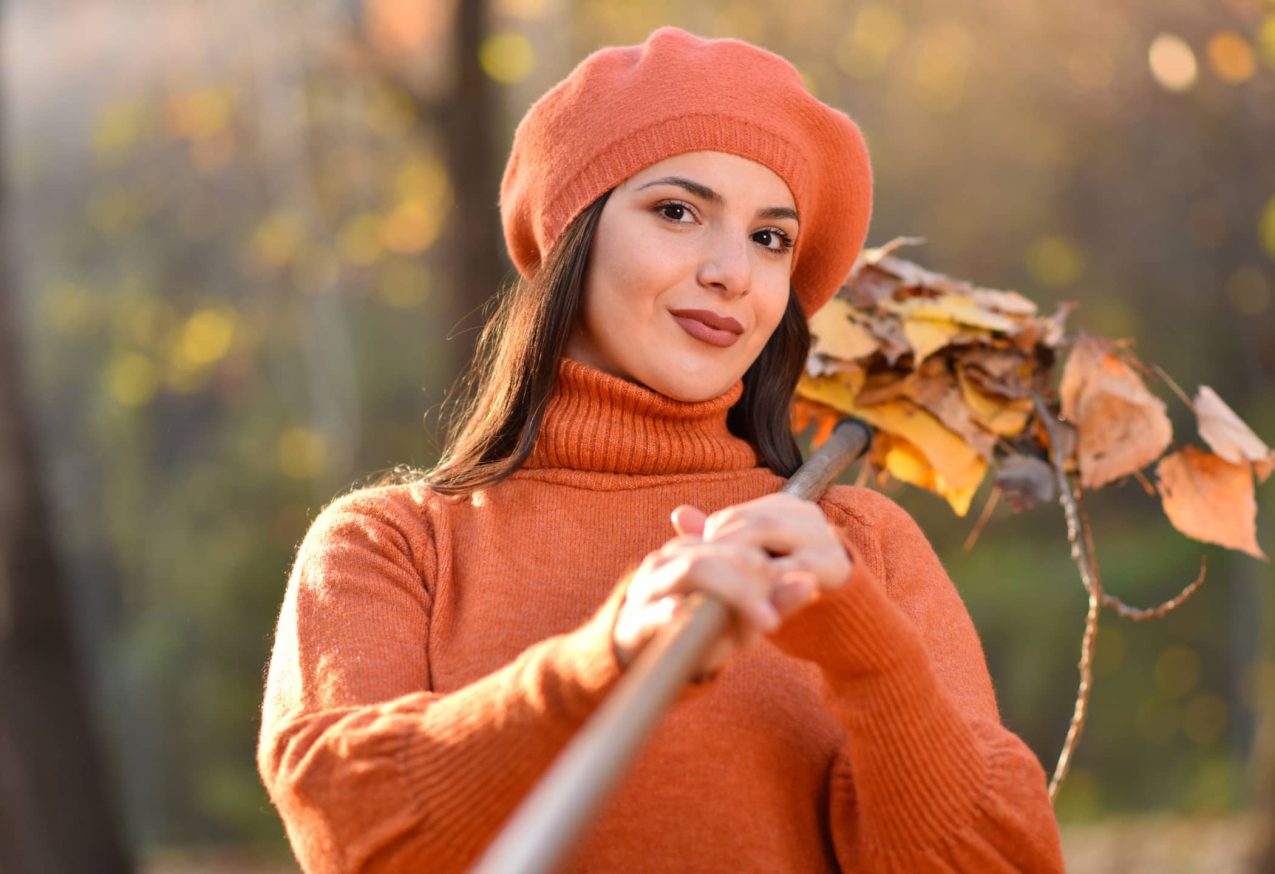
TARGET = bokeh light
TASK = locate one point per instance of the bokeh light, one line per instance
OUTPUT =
(878, 31)
(1172, 62)
(131, 379)
(1266, 227)
(1248, 290)
(1177, 670)
(1055, 260)
(1231, 57)
(507, 57)
(302, 453)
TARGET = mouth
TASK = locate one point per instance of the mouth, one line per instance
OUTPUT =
(708, 326)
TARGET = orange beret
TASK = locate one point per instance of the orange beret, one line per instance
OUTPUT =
(625, 108)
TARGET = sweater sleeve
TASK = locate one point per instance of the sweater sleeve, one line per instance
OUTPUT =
(928, 778)
(369, 769)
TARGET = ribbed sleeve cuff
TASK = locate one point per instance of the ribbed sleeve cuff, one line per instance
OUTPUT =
(916, 766)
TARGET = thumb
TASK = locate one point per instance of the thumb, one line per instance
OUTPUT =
(689, 521)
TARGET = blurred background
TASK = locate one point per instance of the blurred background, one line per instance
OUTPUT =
(247, 247)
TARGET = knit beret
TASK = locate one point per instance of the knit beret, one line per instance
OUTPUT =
(625, 108)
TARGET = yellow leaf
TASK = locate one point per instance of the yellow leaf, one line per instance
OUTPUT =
(950, 456)
(836, 335)
(959, 464)
(832, 391)
(927, 337)
(956, 308)
(908, 464)
(1004, 416)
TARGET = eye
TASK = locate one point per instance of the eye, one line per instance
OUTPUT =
(773, 239)
(676, 211)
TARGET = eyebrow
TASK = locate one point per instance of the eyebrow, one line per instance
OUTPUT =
(705, 193)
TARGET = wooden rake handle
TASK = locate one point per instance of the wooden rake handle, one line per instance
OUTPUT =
(551, 817)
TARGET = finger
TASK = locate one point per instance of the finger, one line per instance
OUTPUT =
(830, 567)
(779, 527)
(689, 521)
(793, 592)
(750, 601)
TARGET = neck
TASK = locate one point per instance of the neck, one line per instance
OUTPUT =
(599, 422)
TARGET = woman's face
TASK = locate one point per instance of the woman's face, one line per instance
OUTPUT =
(688, 275)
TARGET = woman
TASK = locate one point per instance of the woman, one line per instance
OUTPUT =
(676, 210)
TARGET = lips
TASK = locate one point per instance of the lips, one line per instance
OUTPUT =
(708, 326)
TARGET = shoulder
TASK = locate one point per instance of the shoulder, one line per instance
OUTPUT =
(866, 509)
(884, 532)
(400, 517)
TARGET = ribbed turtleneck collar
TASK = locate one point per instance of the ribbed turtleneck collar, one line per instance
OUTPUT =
(598, 422)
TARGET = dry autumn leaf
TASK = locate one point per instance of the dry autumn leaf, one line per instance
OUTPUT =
(1211, 499)
(954, 308)
(837, 335)
(1026, 481)
(926, 337)
(958, 464)
(1004, 416)
(908, 464)
(952, 377)
(1121, 427)
(1228, 435)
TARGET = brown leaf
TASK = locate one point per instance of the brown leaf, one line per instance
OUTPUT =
(1120, 426)
(1004, 416)
(1026, 481)
(1056, 324)
(889, 333)
(1211, 499)
(1011, 303)
(936, 391)
(1086, 357)
(872, 256)
(1228, 436)
(910, 275)
(868, 286)
(1002, 372)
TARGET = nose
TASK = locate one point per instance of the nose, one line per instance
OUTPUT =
(726, 267)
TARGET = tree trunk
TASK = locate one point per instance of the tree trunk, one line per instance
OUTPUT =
(470, 128)
(56, 813)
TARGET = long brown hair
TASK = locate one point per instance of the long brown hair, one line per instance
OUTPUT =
(506, 389)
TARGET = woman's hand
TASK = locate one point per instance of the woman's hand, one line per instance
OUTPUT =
(764, 559)
(792, 531)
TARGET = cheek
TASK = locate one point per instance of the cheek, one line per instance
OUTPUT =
(628, 270)
(773, 302)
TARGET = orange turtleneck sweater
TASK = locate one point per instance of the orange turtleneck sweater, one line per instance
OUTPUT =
(434, 654)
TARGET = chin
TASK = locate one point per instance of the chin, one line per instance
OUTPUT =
(691, 387)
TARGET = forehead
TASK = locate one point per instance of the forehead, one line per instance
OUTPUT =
(735, 178)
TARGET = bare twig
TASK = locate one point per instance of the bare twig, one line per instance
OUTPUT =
(1145, 483)
(1177, 389)
(988, 506)
(1141, 614)
(865, 473)
(1083, 557)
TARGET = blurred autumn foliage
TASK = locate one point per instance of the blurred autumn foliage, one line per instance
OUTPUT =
(250, 244)
(956, 378)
